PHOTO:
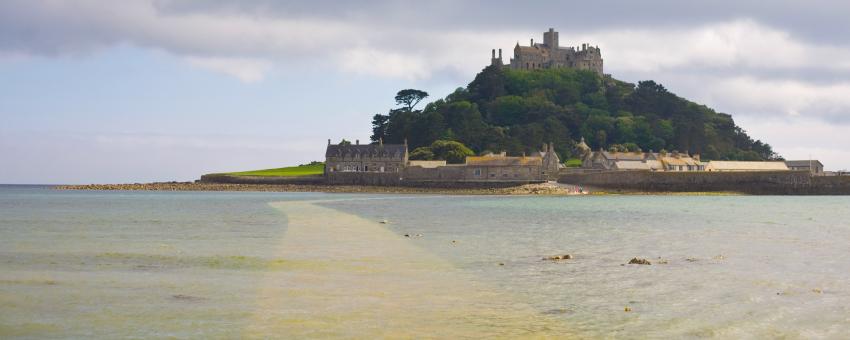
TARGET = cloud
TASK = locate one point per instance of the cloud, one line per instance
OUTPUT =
(245, 69)
(739, 44)
(740, 64)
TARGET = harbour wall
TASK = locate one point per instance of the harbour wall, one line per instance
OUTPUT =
(230, 179)
(757, 183)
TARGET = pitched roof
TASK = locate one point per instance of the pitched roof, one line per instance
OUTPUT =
(336, 150)
(679, 161)
(624, 156)
(804, 163)
(503, 161)
(746, 166)
(631, 165)
(639, 165)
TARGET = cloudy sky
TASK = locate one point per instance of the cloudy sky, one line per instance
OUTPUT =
(147, 90)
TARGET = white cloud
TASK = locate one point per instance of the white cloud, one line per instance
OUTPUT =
(801, 138)
(785, 97)
(740, 43)
(383, 63)
(245, 69)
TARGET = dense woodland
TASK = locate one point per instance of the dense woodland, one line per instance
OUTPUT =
(518, 111)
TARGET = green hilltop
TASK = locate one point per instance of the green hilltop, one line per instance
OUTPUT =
(520, 110)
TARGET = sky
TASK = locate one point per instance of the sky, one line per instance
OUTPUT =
(161, 90)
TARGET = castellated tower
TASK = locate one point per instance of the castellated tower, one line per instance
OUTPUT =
(550, 55)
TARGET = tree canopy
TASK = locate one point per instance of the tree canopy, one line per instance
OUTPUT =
(409, 98)
(519, 110)
(451, 151)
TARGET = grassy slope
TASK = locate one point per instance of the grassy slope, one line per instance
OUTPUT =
(301, 170)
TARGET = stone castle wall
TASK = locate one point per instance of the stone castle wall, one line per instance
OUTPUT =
(229, 179)
(758, 183)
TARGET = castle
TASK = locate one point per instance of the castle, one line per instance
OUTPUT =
(550, 55)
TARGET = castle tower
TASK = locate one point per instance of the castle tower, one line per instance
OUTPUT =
(550, 54)
(496, 61)
(551, 39)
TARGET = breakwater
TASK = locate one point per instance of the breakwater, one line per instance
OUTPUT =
(756, 183)
(527, 189)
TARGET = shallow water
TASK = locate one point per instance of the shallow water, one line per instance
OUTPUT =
(225, 265)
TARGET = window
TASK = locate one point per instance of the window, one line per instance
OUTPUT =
(477, 172)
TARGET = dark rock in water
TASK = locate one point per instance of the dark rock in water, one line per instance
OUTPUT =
(501, 263)
(558, 257)
(189, 298)
(636, 260)
(406, 235)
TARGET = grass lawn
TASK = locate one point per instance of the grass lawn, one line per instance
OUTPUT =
(301, 170)
(573, 163)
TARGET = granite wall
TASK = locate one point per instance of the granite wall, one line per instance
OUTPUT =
(759, 183)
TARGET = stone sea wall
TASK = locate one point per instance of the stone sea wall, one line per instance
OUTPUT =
(758, 183)
(229, 179)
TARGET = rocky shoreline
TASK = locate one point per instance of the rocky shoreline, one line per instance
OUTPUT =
(528, 189)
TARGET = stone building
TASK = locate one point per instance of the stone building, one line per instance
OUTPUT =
(550, 54)
(388, 164)
(543, 165)
(377, 157)
(814, 166)
(651, 161)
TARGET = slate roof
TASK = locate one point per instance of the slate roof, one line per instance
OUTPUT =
(336, 150)
(624, 156)
(503, 161)
(804, 163)
(746, 166)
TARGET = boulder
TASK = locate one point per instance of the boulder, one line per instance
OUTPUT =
(636, 260)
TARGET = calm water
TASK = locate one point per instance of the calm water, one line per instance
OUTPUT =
(226, 265)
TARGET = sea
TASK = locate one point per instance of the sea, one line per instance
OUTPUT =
(224, 265)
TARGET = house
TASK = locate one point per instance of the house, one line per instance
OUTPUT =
(745, 166)
(650, 161)
(681, 162)
(607, 160)
(378, 157)
(502, 167)
(814, 166)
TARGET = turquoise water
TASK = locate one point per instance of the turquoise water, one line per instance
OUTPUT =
(225, 265)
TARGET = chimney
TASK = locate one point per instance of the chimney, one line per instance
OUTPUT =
(494, 53)
(356, 142)
(500, 53)
(380, 142)
(329, 141)
(532, 42)
(551, 147)
(696, 157)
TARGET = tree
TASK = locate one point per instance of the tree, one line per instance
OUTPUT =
(409, 98)
(452, 152)
(421, 154)
(379, 127)
(344, 142)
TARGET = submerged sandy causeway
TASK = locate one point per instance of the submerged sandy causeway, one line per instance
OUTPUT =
(365, 281)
